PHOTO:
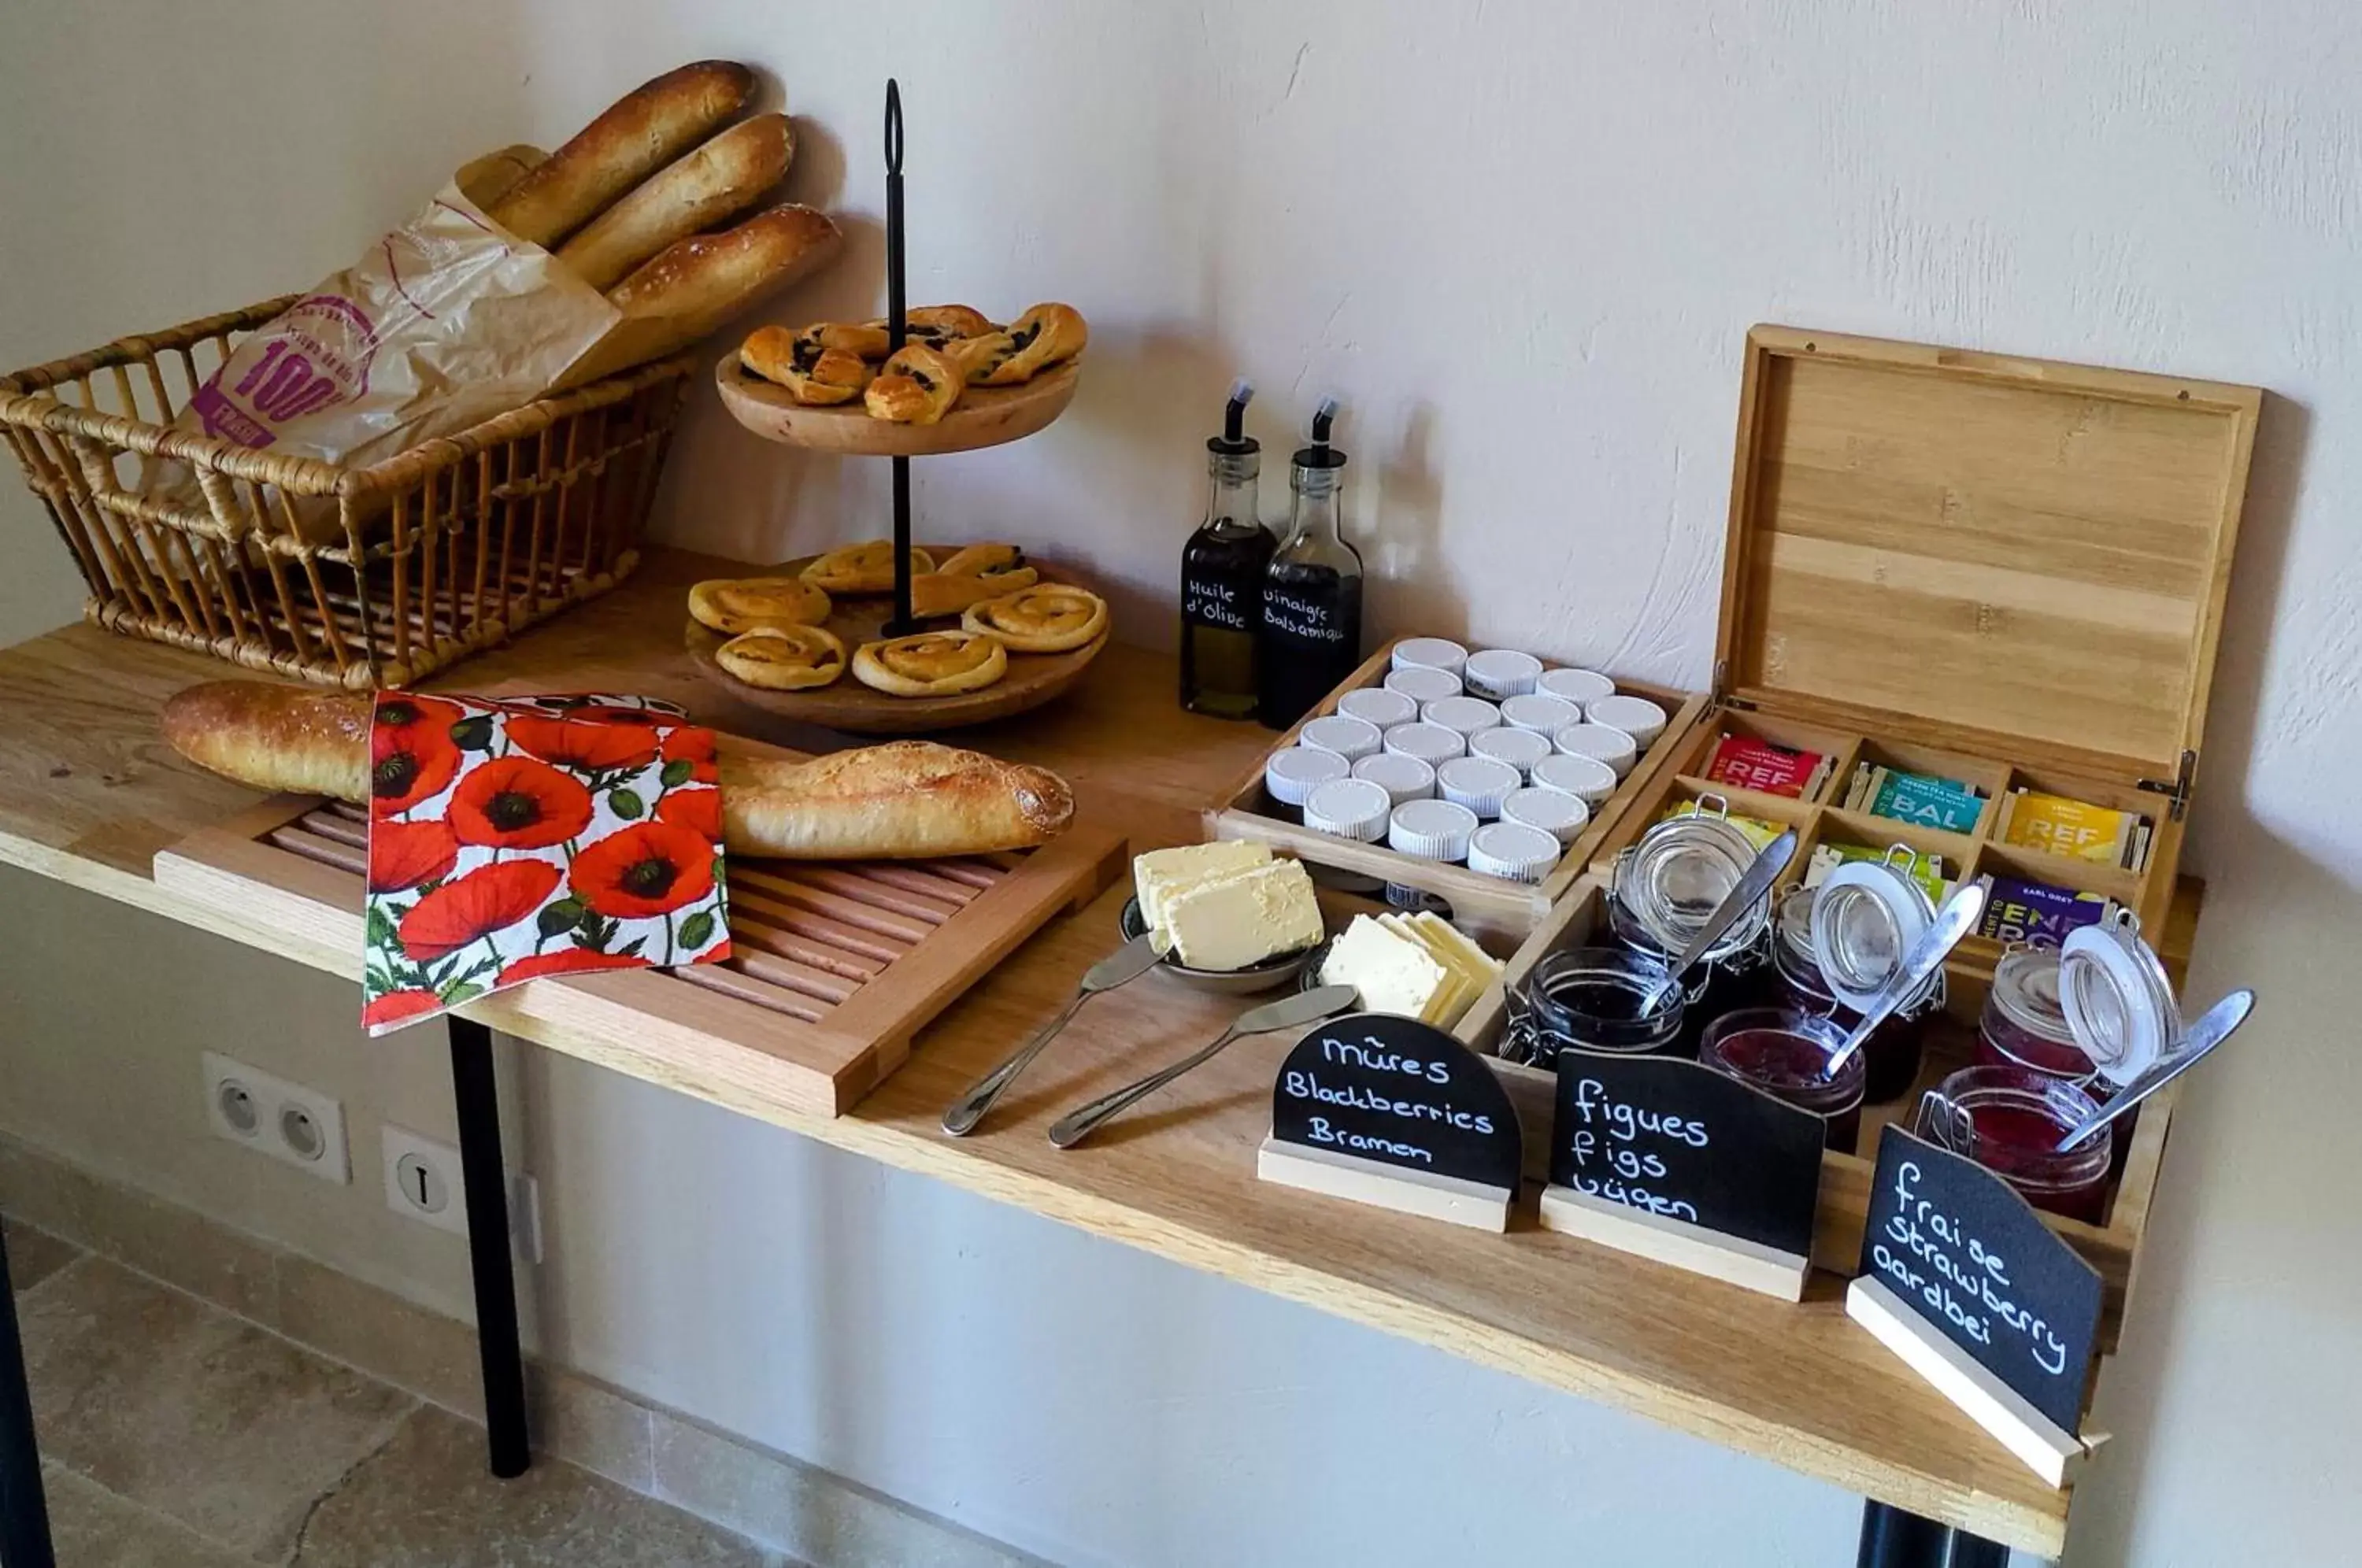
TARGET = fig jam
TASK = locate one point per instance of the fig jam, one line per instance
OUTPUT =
(1786, 1054)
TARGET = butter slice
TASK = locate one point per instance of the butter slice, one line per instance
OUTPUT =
(1393, 972)
(1245, 917)
(1159, 876)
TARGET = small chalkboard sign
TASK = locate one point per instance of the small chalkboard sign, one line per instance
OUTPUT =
(1960, 1277)
(1676, 1161)
(1395, 1112)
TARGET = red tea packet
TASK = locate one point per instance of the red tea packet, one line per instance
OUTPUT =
(530, 836)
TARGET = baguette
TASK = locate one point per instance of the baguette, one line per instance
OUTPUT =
(910, 800)
(645, 130)
(703, 281)
(724, 176)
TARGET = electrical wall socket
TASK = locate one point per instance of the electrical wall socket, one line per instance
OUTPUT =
(285, 1121)
(423, 1181)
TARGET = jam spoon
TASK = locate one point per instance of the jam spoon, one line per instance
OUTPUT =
(2213, 1026)
(1953, 922)
(1745, 894)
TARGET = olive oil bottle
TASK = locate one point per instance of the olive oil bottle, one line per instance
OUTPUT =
(1222, 568)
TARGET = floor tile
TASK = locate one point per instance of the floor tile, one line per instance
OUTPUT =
(425, 1501)
(433, 1356)
(91, 1527)
(185, 1411)
(34, 1256)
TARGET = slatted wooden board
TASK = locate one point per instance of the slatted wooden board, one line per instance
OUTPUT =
(835, 964)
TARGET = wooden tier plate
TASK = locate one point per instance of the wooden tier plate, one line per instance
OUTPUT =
(837, 964)
(848, 705)
(984, 416)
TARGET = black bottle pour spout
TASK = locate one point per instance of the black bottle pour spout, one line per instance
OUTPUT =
(1320, 455)
(1234, 442)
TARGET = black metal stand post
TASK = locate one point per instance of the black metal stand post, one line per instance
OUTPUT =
(1893, 1538)
(896, 328)
(485, 1176)
(24, 1507)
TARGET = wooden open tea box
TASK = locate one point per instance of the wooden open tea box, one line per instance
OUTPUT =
(1580, 920)
(1496, 911)
(2007, 572)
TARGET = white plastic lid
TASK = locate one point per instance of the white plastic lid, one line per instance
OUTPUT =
(1588, 778)
(1501, 672)
(1866, 917)
(1478, 783)
(1465, 715)
(1556, 813)
(1519, 748)
(1402, 778)
(1540, 710)
(1431, 744)
(2118, 1002)
(1513, 851)
(1581, 687)
(1604, 742)
(1423, 685)
(1429, 653)
(1349, 808)
(1636, 716)
(1430, 830)
(1349, 738)
(1291, 775)
(1376, 705)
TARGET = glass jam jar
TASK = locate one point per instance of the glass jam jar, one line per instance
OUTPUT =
(1666, 886)
(2009, 1120)
(1594, 998)
(2024, 1025)
(1786, 1053)
(1891, 1054)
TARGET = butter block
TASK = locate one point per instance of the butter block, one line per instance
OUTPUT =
(1245, 917)
(1394, 973)
(1160, 874)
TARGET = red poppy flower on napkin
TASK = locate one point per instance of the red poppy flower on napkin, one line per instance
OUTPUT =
(535, 836)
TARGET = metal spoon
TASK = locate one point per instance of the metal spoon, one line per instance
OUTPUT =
(1749, 891)
(1953, 922)
(2213, 1026)
(1306, 1006)
(1127, 963)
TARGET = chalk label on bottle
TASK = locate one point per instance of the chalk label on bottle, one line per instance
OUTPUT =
(1299, 617)
(1213, 603)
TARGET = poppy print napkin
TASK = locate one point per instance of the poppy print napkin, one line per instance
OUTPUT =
(529, 836)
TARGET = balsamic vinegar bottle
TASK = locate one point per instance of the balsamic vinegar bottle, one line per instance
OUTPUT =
(1312, 592)
(1221, 575)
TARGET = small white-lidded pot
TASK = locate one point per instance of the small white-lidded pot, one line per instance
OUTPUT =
(1432, 830)
(1501, 672)
(1519, 748)
(1402, 778)
(1376, 705)
(1349, 738)
(1349, 808)
(1602, 742)
(1423, 685)
(1429, 653)
(1586, 778)
(1431, 744)
(1478, 783)
(1292, 775)
(1539, 711)
(1513, 852)
(1636, 716)
(1464, 714)
(1580, 687)
(1556, 813)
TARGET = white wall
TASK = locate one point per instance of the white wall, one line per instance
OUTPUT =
(1523, 240)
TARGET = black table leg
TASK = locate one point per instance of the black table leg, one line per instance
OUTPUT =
(24, 1509)
(486, 1179)
(1893, 1538)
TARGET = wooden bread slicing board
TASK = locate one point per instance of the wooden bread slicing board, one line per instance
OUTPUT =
(837, 965)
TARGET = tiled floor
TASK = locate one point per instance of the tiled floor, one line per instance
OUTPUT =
(175, 1435)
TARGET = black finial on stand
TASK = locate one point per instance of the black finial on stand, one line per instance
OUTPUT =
(897, 325)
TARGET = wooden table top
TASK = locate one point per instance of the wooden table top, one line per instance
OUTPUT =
(89, 793)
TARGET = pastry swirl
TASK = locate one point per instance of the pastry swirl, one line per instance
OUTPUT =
(970, 576)
(817, 374)
(932, 664)
(1046, 336)
(734, 605)
(866, 567)
(917, 386)
(783, 658)
(1049, 617)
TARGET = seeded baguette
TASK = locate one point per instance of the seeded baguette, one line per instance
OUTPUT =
(641, 132)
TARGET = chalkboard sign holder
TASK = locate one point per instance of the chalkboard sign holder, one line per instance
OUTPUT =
(2054, 1452)
(1662, 1239)
(1431, 1196)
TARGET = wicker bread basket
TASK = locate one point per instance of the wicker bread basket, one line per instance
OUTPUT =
(436, 553)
